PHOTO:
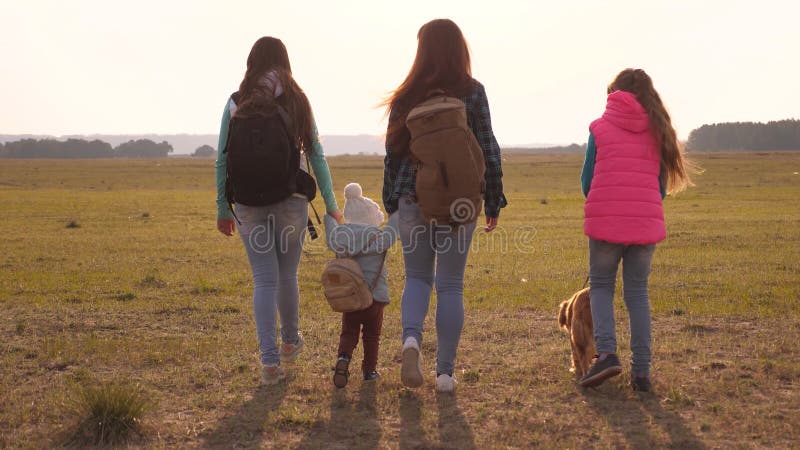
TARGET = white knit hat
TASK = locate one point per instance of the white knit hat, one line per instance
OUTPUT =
(360, 209)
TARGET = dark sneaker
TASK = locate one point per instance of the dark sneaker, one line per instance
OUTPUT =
(641, 384)
(341, 372)
(601, 370)
(371, 376)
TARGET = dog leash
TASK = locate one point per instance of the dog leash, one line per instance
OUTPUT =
(585, 282)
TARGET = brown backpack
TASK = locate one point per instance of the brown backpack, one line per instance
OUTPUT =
(450, 164)
(345, 285)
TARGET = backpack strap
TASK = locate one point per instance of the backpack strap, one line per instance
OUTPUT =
(380, 272)
(312, 231)
(380, 268)
(285, 118)
(436, 93)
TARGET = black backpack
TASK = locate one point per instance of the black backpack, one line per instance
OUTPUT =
(263, 162)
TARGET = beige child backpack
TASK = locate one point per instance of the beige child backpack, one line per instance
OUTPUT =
(345, 285)
(449, 160)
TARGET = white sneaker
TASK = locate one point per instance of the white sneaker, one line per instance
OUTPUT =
(272, 375)
(289, 352)
(411, 370)
(445, 383)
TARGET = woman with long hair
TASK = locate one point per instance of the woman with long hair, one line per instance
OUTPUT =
(434, 254)
(633, 159)
(273, 233)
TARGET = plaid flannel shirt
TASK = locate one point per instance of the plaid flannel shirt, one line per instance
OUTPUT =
(399, 177)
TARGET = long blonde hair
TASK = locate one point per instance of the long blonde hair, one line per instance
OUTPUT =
(673, 157)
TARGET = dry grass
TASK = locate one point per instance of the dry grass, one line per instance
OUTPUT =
(111, 413)
(147, 291)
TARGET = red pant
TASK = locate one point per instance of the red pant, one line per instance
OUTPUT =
(372, 321)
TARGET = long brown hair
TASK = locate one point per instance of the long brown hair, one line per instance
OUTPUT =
(673, 158)
(442, 62)
(269, 55)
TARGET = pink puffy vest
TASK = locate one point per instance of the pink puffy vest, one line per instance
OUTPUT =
(624, 201)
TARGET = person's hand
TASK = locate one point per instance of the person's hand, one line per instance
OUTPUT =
(226, 226)
(337, 215)
(491, 224)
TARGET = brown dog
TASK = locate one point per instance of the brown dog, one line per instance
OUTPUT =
(575, 317)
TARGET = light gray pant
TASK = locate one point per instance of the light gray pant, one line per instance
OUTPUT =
(273, 238)
(434, 254)
(604, 258)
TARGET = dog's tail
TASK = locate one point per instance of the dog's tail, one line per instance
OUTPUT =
(562, 315)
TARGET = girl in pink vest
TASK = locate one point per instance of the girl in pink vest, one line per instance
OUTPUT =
(633, 158)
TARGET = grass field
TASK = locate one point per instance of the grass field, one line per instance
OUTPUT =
(141, 289)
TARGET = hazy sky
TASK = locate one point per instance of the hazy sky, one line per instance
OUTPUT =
(87, 66)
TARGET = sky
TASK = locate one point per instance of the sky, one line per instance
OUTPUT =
(86, 66)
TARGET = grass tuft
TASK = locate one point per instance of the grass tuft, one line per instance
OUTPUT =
(110, 413)
(470, 376)
(205, 287)
(125, 296)
(227, 309)
(677, 397)
(152, 280)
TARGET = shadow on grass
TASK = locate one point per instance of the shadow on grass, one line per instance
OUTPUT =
(411, 433)
(246, 428)
(454, 430)
(639, 419)
(349, 426)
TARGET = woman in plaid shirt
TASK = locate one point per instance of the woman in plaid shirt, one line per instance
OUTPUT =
(436, 254)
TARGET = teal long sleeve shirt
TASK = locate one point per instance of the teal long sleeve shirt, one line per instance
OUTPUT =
(588, 169)
(317, 159)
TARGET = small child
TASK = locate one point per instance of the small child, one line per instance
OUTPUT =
(633, 158)
(361, 238)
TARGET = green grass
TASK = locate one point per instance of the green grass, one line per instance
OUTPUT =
(146, 290)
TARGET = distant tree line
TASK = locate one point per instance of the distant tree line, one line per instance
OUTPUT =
(775, 135)
(80, 148)
(205, 151)
(571, 148)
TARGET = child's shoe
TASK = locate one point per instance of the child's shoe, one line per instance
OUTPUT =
(445, 383)
(603, 368)
(271, 375)
(341, 372)
(289, 352)
(641, 384)
(411, 370)
(371, 376)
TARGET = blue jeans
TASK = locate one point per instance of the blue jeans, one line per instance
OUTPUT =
(273, 239)
(434, 254)
(604, 258)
